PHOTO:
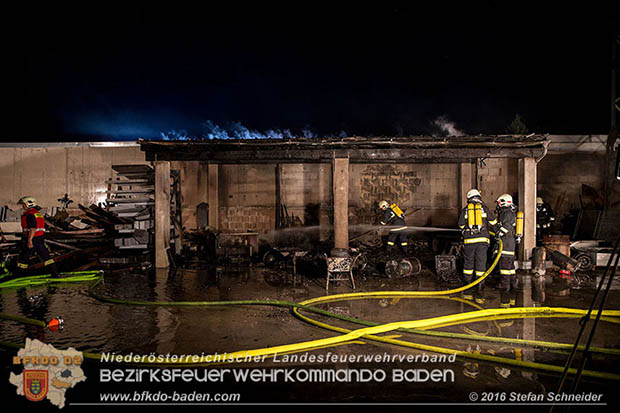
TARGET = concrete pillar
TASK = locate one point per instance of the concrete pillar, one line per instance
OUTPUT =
(213, 196)
(162, 213)
(340, 167)
(466, 182)
(326, 201)
(193, 191)
(527, 204)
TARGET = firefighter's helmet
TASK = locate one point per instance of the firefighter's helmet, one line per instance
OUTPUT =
(504, 200)
(28, 201)
(383, 204)
(472, 193)
(539, 201)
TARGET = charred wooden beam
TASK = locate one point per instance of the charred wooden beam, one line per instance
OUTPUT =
(355, 155)
(358, 150)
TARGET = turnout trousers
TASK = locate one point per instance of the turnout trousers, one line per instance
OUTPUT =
(474, 265)
(508, 275)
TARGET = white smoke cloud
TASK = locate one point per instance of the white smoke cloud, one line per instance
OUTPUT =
(236, 130)
(447, 126)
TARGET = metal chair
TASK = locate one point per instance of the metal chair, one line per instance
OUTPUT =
(340, 269)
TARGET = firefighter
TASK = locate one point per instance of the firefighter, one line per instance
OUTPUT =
(475, 221)
(393, 216)
(507, 230)
(544, 219)
(33, 231)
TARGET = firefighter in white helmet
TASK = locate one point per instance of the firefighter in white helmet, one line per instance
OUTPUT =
(506, 230)
(475, 221)
(393, 216)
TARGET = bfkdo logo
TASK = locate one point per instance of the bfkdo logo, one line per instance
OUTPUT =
(36, 384)
(47, 372)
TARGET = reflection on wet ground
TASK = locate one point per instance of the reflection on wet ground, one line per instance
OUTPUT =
(94, 326)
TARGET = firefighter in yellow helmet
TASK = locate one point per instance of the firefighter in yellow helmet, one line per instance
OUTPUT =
(475, 221)
(393, 216)
(506, 230)
(544, 218)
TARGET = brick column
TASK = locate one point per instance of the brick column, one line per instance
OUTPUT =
(527, 204)
(213, 196)
(162, 213)
(340, 167)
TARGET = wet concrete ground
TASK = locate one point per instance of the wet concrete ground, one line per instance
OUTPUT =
(93, 326)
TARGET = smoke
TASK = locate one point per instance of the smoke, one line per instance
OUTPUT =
(236, 130)
(448, 127)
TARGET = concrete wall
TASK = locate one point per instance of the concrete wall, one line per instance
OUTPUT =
(193, 189)
(561, 176)
(48, 172)
(428, 192)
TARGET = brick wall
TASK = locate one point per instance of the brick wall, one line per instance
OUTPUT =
(244, 218)
(427, 193)
(496, 177)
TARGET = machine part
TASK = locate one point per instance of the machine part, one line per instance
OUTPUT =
(360, 263)
(585, 260)
(445, 268)
(391, 268)
(561, 260)
(272, 257)
(565, 274)
(598, 251)
(582, 279)
(404, 267)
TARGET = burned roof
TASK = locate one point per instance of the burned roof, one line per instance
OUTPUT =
(416, 149)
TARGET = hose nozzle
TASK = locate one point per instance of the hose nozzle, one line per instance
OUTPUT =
(56, 324)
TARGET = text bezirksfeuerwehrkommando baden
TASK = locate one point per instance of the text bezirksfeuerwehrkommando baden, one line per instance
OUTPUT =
(290, 375)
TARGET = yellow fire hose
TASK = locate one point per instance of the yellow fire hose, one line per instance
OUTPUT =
(349, 336)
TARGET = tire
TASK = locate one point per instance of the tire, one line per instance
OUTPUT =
(586, 263)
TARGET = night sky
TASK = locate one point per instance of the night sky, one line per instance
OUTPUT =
(386, 70)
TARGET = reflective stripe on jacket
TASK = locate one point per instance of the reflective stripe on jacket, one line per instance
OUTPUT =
(39, 219)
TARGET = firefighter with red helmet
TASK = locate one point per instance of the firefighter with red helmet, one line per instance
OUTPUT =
(33, 231)
(507, 230)
(475, 220)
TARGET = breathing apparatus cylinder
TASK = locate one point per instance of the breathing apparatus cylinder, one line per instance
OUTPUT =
(397, 210)
(474, 216)
(520, 220)
(478, 215)
(471, 220)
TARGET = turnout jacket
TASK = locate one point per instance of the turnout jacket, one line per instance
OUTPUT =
(506, 222)
(389, 217)
(475, 234)
(33, 218)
